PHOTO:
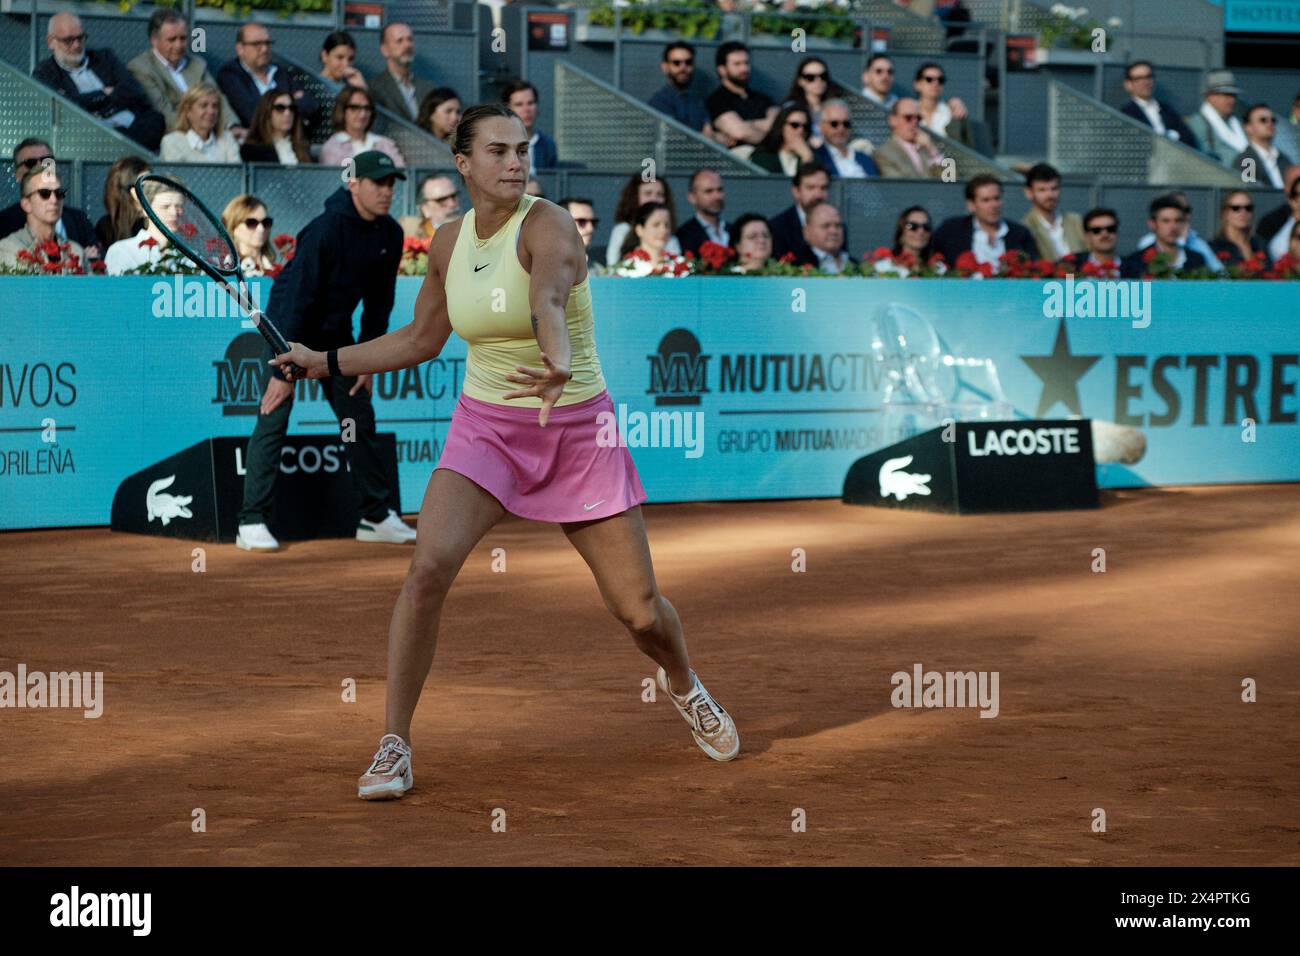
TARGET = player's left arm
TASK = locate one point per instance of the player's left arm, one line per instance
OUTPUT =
(551, 238)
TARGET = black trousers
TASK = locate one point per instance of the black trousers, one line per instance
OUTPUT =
(263, 466)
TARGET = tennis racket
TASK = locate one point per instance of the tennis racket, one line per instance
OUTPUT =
(202, 238)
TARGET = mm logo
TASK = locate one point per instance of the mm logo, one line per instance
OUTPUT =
(679, 374)
(241, 376)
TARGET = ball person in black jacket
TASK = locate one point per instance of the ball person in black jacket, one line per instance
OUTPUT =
(346, 255)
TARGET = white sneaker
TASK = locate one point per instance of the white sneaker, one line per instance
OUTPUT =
(711, 726)
(256, 537)
(389, 776)
(392, 530)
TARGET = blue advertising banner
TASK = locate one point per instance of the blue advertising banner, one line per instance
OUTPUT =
(1260, 16)
(725, 388)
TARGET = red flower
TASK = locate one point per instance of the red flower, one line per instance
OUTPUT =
(282, 240)
(1091, 269)
(715, 254)
(51, 266)
(1150, 252)
(986, 269)
(25, 255)
(936, 260)
(1045, 267)
(688, 254)
(639, 253)
(51, 248)
(788, 258)
(148, 242)
(187, 229)
(966, 262)
(882, 252)
(1223, 256)
(905, 259)
(98, 267)
(273, 271)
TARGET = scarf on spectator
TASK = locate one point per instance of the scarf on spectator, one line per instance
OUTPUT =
(1231, 133)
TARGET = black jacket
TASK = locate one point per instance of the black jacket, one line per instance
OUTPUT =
(242, 93)
(954, 236)
(1168, 116)
(1134, 266)
(127, 93)
(787, 236)
(341, 260)
(691, 235)
(75, 222)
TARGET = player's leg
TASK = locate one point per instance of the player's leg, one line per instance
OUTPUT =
(261, 469)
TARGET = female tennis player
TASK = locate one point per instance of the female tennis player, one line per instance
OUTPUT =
(510, 278)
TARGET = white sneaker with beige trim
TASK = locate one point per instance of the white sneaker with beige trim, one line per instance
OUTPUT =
(389, 776)
(711, 726)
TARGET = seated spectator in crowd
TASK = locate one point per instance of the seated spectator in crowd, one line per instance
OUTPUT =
(650, 232)
(396, 87)
(1189, 237)
(440, 113)
(1288, 131)
(338, 58)
(1168, 224)
(73, 225)
(42, 196)
(635, 193)
(824, 234)
(753, 242)
(168, 69)
(1236, 240)
(583, 212)
(813, 86)
(249, 224)
(676, 98)
(1057, 234)
(124, 216)
(707, 197)
(785, 148)
(809, 186)
(912, 245)
(1275, 228)
(908, 152)
(741, 117)
(200, 135)
(1140, 84)
(1101, 235)
(1268, 164)
(521, 96)
(97, 82)
(276, 135)
(1292, 248)
(147, 246)
(836, 153)
(534, 187)
(253, 73)
(1215, 124)
(878, 80)
(353, 117)
(438, 203)
(945, 119)
(984, 232)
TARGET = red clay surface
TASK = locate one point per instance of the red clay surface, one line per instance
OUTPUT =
(1119, 691)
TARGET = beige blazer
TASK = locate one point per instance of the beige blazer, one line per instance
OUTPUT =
(894, 161)
(164, 94)
(1073, 234)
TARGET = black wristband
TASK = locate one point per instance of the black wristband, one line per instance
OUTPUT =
(332, 359)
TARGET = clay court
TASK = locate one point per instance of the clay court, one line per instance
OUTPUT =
(1122, 690)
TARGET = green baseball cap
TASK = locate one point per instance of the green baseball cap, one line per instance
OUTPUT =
(372, 164)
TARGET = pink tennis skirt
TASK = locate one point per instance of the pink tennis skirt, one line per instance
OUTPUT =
(557, 473)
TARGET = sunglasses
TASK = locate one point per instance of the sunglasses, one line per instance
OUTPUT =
(1242, 207)
(32, 161)
(934, 79)
(1099, 230)
(1142, 76)
(1270, 120)
(282, 107)
(265, 43)
(913, 226)
(583, 221)
(252, 223)
(910, 117)
(796, 124)
(681, 62)
(812, 76)
(47, 193)
(836, 124)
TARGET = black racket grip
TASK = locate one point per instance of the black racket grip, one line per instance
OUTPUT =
(274, 339)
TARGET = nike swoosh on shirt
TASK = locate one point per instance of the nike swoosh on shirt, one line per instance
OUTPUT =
(484, 266)
(590, 506)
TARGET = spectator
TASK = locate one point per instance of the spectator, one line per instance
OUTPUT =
(123, 217)
(1236, 240)
(42, 196)
(396, 87)
(944, 119)
(878, 81)
(676, 98)
(637, 192)
(984, 232)
(439, 204)
(1214, 125)
(148, 245)
(836, 153)
(196, 139)
(72, 226)
(253, 73)
(1276, 226)
(534, 187)
(707, 197)
(354, 115)
(1288, 131)
(1057, 234)
(813, 86)
(1189, 238)
(651, 230)
(753, 242)
(521, 96)
(1101, 236)
(276, 135)
(97, 82)
(824, 234)
(912, 245)
(908, 152)
(785, 148)
(338, 58)
(1168, 224)
(741, 117)
(246, 219)
(583, 212)
(1293, 248)
(1140, 84)
(809, 186)
(167, 69)
(440, 113)
(1267, 163)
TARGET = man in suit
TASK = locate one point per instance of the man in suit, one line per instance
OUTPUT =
(908, 152)
(1275, 227)
(840, 158)
(1101, 236)
(73, 225)
(1269, 165)
(1215, 124)
(824, 234)
(1167, 222)
(1140, 84)
(1056, 234)
(707, 197)
(984, 232)
(253, 72)
(167, 69)
(809, 186)
(396, 87)
(97, 82)
(521, 96)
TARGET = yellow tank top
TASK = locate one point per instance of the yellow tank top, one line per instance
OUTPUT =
(487, 303)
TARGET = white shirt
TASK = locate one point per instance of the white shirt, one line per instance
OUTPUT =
(262, 87)
(718, 233)
(846, 165)
(1229, 130)
(940, 119)
(87, 82)
(886, 101)
(1056, 232)
(1152, 110)
(532, 153)
(1277, 246)
(128, 254)
(177, 77)
(407, 89)
(616, 236)
(284, 150)
(989, 250)
(826, 262)
(1269, 162)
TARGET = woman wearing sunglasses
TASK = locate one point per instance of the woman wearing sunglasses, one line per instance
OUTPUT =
(1236, 240)
(812, 86)
(786, 146)
(276, 134)
(947, 118)
(912, 246)
(246, 219)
